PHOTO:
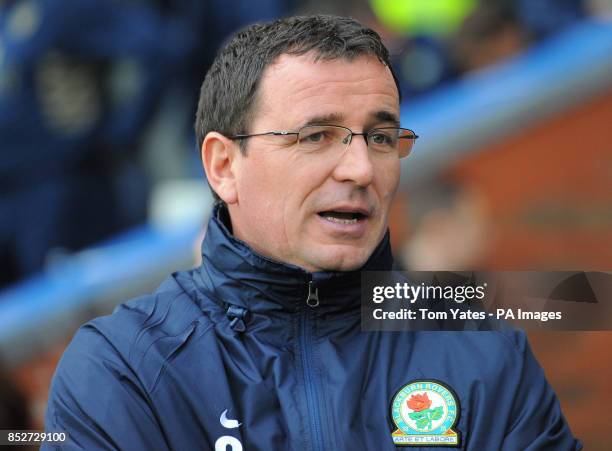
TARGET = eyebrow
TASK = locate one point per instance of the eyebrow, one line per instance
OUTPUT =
(387, 116)
(325, 119)
(334, 118)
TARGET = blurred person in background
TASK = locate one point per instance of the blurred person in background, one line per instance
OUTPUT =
(489, 35)
(417, 33)
(433, 42)
(496, 30)
(543, 18)
(80, 81)
(260, 346)
(450, 229)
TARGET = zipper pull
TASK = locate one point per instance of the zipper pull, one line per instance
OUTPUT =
(313, 295)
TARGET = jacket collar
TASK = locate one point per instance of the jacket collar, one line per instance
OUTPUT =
(235, 274)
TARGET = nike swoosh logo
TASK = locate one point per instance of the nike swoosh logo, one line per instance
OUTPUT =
(226, 422)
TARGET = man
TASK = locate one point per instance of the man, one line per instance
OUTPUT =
(260, 347)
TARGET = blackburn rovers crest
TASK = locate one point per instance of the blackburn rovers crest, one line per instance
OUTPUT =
(424, 413)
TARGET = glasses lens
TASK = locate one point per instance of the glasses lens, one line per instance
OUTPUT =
(388, 140)
(315, 138)
(406, 140)
(383, 139)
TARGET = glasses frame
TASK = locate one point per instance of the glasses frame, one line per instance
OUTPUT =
(347, 140)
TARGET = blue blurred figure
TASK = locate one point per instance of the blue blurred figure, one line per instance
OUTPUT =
(79, 82)
(545, 17)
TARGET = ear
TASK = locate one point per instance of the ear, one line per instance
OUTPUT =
(218, 156)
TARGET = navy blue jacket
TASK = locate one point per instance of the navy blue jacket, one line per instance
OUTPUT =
(229, 356)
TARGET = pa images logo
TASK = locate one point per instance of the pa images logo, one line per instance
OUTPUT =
(424, 413)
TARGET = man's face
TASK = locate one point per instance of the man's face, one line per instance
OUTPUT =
(318, 211)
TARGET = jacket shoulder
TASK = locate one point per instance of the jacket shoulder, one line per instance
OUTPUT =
(108, 372)
(142, 334)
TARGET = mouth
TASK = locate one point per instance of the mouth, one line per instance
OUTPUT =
(346, 222)
(343, 217)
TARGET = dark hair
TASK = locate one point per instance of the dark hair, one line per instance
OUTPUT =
(229, 91)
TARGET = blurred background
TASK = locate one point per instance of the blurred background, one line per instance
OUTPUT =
(102, 193)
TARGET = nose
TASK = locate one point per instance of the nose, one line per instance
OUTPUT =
(355, 164)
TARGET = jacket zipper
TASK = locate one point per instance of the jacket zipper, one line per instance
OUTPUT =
(306, 342)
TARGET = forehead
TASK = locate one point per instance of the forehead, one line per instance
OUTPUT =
(294, 87)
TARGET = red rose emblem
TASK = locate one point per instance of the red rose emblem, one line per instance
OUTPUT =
(419, 402)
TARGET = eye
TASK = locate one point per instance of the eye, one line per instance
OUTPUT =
(314, 137)
(382, 138)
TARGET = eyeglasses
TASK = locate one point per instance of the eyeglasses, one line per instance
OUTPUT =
(319, 138)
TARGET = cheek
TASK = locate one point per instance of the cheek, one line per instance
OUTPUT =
(300, 179)
(256, 191)
(268, 189)
(387, 182)
(255, 178)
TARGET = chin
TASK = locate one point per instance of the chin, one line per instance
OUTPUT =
(344, 259)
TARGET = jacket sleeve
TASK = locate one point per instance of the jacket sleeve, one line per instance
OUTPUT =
(537, 422)
(98, 401)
